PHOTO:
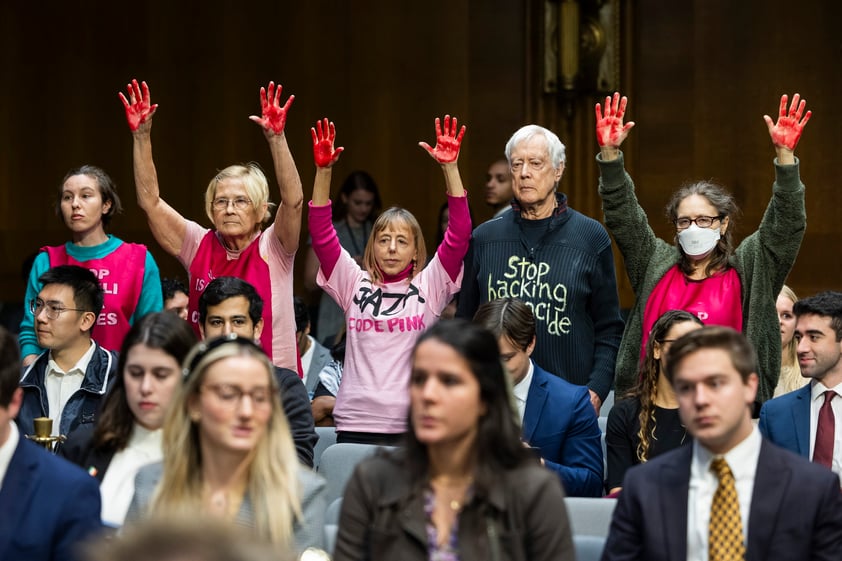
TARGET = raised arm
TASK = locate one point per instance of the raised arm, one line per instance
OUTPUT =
(167, 225)
(446, 153)
(786, 132)
(453, 248)
(610, 130)
(325, 243)
(273, 119)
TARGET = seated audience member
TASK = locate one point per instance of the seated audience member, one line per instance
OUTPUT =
(324, 397)
(199, 539)
(175, 297)
(646, 423)
(231, 305)
(463, 486)
(228, 452)
(556, 416)
(68, 381)
(808, 421)
(732, 494)
(791, 378)
(47, 505)
(314, 356)
(127, 434)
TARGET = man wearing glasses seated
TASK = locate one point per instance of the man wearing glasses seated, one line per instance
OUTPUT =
(69, 379)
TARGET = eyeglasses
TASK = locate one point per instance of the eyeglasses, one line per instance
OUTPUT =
(199, 351)
(53, 311)
(700, 221)
(240, 203)
(231, 395)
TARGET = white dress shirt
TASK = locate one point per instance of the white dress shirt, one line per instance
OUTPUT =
(60, 385)
(7, 450)
(521, 390)
(742, 459)
(117, 486)
(816, 401)
(307, 358)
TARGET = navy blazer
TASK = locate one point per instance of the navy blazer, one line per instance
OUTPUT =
(785, 421)
(796, 510)
(560, 420)
(47, 506)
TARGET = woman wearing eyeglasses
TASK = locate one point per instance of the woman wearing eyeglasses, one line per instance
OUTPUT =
(237, 203)
(87, 201)
(127, 434)
(229, 453)
(703, 272)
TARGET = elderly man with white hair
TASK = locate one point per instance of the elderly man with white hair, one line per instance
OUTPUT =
(555, 259)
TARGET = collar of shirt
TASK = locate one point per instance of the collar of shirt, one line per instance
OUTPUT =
(7, 450)
(81, 366)
(521, 390)
(817, 390)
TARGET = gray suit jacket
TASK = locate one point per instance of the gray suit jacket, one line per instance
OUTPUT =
(321, 356)
(308, 532)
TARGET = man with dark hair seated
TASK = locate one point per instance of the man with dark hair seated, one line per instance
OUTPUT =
(69, 379)
(47, 505)
(231, 305)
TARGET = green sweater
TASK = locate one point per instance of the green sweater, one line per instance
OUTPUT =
(762, 261)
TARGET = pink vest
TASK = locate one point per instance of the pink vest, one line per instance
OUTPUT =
(121, 275)
(212, 261)
(716, 300)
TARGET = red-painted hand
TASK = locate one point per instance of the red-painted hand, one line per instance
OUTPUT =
(274, 117)
(610, 130)
(787, 131)
(323, 137)
(447, 142)
(139, 108)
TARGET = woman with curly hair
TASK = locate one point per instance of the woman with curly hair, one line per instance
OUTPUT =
(646, 422)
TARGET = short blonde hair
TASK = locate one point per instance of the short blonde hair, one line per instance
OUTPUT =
(400, 217)
(255, 183)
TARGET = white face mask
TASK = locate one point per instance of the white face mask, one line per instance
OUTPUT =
(696, 241)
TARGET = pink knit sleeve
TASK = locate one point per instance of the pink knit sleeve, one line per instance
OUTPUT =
(453, 248)
(325, 242)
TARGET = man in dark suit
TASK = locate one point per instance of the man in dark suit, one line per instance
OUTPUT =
(558, 419)
(47, 505)
(795, 420)
(765, 503)
(231, 305)
(314, 356)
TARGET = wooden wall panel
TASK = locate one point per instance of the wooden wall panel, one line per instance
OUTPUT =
(381, 70)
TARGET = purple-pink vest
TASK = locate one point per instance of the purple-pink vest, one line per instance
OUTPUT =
(121, 275)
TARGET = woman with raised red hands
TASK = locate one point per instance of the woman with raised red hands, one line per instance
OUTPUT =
(237, 203)
(392, 298)
(702, 271)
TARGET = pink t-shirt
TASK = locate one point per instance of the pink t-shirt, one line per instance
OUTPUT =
(716, 300)
(271, 277)
(382, 325)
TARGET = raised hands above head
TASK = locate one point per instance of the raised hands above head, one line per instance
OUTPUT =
(786, 132)
(610, 130)
(324, 134)
(273, 117)
(448, 142)
(139, 107)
